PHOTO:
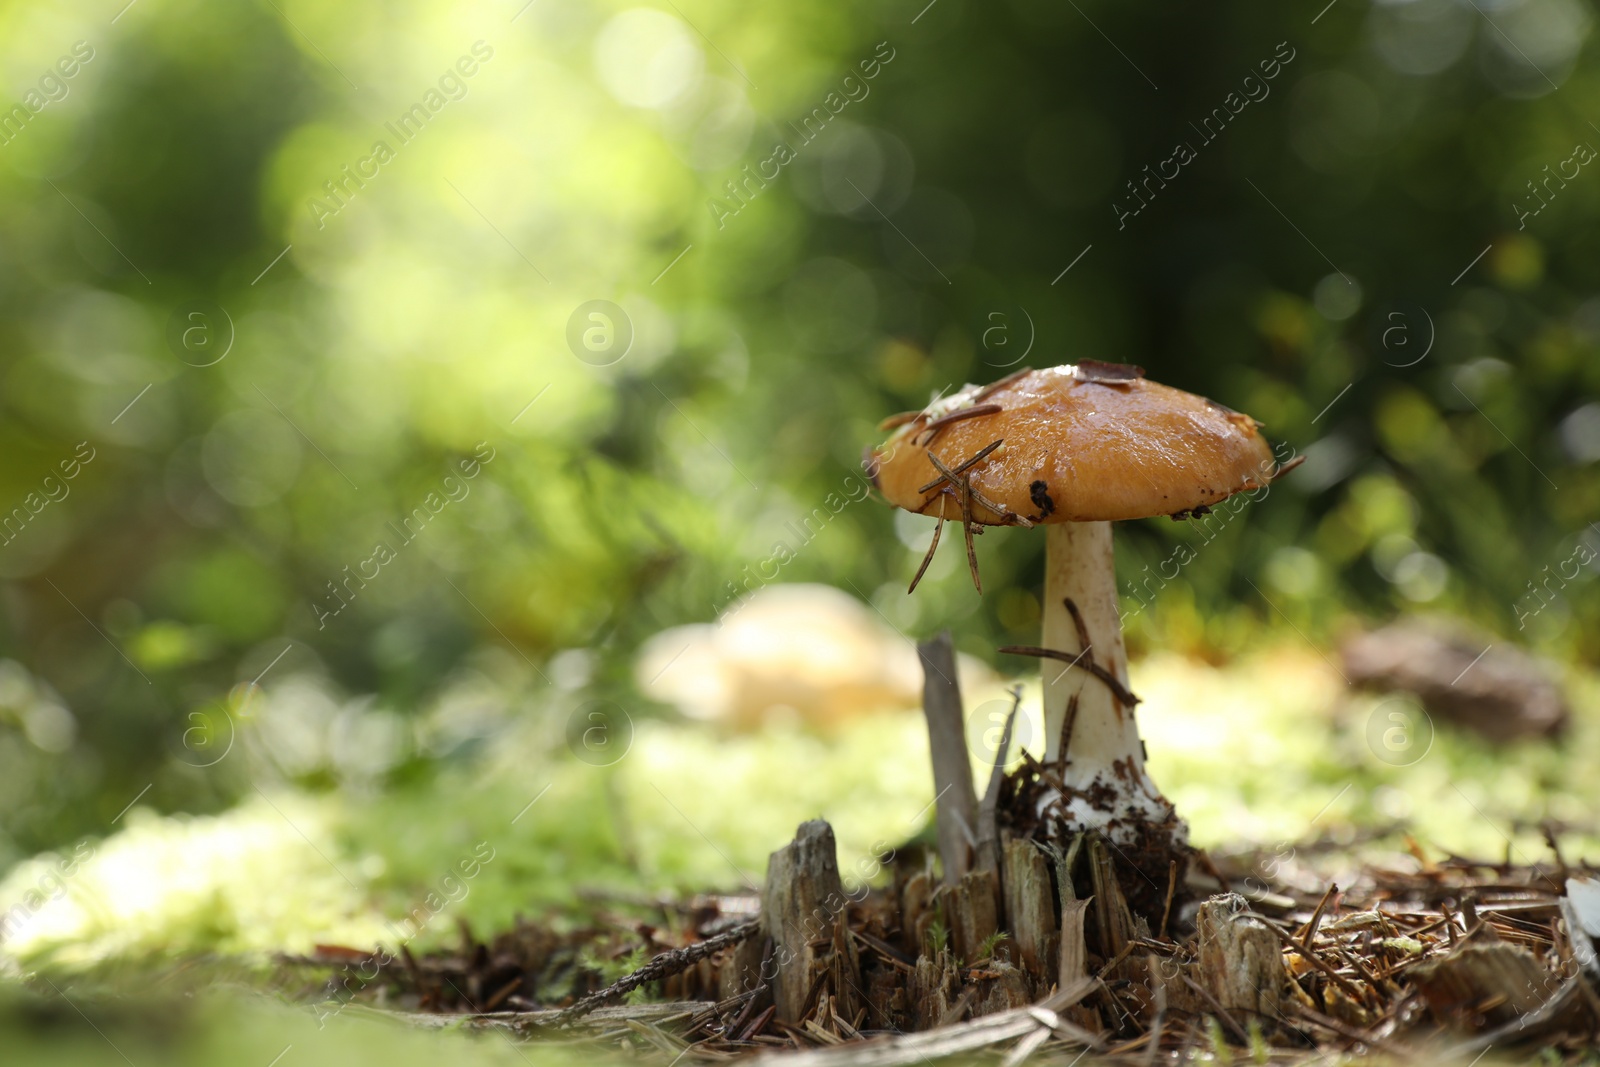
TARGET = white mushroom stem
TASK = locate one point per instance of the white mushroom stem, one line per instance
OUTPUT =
(1105, 755)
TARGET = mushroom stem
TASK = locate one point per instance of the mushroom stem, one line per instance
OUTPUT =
(1105, 775)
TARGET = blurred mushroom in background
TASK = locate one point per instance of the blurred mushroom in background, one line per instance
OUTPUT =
(1461, 676)
(787, 653)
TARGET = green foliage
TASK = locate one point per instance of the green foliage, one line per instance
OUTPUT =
(1220, 1052)
(987, 946)
(1260, 1050)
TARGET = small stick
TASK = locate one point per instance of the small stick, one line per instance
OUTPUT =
(965, 498)
(931, 430)
(928, 558)
(1222, 1013)
(978, 457)
(505, 991)
(814, 995)
(972, 555)
(663, 966)
(1361, 969)
(1172, 889)
(895, 957)
(1315, 960)
(965, 485)
(956, 803)
(1287, 467)
(759, 1024)
(1158, 1025)
(1549, 830)
(1118, 958)
(1067, 723)
(1119, 690)
(1316, 916)
(750, 999)
(1079, 625)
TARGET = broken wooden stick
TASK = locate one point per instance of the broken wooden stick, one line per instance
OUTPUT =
(662, 966)
(955, 801)
(1240, 961)
(803, 910)
(1030, 907)
(988, 835)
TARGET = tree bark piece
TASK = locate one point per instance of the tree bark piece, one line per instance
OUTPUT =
(973, 911)
(988, 846)
(1074, 964)
(917, 914)
(740, 969)
(935, 989)
(803, 903)
(1073, 961)
(1113, 920)
(1003, 988)
(1030, 907)
(956, 803)
(1240, 961)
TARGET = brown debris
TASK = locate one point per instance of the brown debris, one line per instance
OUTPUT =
(950, 481)
(1029, 916)
(1480, 682)
(1094, 370)
(974, 913)
(1083, 660)
(1382, 965)
(959, 484)
(1041, 945)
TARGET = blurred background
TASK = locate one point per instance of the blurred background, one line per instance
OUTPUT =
(384, 389)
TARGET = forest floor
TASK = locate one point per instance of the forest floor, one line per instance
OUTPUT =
(258, 940)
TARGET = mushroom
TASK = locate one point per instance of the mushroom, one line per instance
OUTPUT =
(1075, 448)
(804, 653)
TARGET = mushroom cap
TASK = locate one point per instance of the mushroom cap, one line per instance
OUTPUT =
(1082, 443)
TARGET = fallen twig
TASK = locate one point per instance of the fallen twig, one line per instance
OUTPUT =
(663, 966)
(1082, 661)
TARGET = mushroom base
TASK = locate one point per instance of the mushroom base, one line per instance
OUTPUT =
(1145, 834)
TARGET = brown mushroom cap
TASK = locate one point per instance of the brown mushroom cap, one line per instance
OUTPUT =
(1085, 443)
